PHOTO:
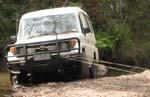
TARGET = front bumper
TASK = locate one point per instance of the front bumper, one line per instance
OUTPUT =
(26, 61)
(52, 65)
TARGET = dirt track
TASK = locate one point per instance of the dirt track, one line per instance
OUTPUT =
(137, 85)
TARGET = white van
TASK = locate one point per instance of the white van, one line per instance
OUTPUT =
(45, 42)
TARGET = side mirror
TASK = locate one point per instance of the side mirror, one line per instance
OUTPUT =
(87, 30)
(13, 39)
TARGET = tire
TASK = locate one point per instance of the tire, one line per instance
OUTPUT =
(14, 79)
(85, 73)
(94, 68)
(17, 79)
(99, 70)
(23, 78)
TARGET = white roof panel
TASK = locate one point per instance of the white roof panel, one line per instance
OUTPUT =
(54, 11)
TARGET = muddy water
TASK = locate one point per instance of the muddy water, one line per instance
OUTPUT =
(5, 87)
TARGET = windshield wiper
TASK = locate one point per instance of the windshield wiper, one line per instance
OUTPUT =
(68, 31)
(39, 35)
(51, 33)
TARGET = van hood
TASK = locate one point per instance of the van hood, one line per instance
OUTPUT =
(48, 38)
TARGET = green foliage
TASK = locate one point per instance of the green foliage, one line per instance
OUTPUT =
(7, 18)
(75, 4)
(104, 40)
(126, 26)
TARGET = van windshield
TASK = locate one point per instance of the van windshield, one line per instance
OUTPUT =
(48, 25)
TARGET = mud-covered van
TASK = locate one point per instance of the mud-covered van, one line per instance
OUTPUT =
(45, 42)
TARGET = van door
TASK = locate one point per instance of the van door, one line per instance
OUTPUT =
(88, 34)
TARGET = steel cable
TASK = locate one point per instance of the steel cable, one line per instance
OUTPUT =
(99, 65)
(106, 62)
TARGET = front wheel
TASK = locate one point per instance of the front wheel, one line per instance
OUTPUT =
(84, 67)
(17, 79)
(14, 78)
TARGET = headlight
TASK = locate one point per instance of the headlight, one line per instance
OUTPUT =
(16, 50)
(20, 50)
(30, 50)
(51, 47)
(63, 46)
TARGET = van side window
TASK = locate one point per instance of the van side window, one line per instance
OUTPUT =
(83, 20)
(90, 24)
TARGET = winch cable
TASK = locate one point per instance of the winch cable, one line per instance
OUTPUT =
(114, 68)
(106, 62)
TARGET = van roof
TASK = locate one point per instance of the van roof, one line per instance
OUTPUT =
(53, 11)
